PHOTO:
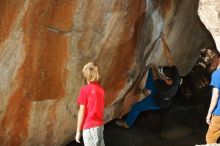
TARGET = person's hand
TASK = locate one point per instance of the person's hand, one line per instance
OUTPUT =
(208, 118)
(77, 137)
(146, 92)
(152, 65)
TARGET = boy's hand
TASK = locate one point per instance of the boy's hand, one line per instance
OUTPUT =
(77, 137)
(208, 118)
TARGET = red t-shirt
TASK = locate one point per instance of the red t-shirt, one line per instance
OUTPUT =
(92, 96)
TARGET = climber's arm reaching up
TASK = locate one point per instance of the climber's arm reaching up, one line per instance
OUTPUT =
(167, 52)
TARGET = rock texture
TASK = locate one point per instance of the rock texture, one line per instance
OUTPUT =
(44, 45)
(209, 12)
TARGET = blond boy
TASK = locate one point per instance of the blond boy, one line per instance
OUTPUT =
(91, 108)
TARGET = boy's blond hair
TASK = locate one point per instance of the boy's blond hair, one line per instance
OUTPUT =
(90, 72)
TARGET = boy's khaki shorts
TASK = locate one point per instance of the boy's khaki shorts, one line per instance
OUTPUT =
(214, 130)
(93, 136)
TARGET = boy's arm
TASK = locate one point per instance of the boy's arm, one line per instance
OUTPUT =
(79, 122)
(213, 103)
(167, 52)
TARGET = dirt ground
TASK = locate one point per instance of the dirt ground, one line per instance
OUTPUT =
(144, 133)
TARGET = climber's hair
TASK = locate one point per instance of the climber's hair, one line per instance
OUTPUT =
(91, 73)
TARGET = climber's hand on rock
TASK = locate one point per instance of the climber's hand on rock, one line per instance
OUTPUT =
(146, 91)
(152, 65)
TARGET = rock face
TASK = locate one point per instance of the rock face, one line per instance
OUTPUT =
(44, 45)
(209, 12)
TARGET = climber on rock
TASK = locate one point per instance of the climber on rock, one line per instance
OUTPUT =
(162, 82)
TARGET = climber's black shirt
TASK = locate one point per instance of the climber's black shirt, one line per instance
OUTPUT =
(165, 93)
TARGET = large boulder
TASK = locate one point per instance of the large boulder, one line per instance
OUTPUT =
(209, 13)
(44, 45)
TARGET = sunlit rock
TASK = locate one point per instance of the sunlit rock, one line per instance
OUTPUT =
(209, 12)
